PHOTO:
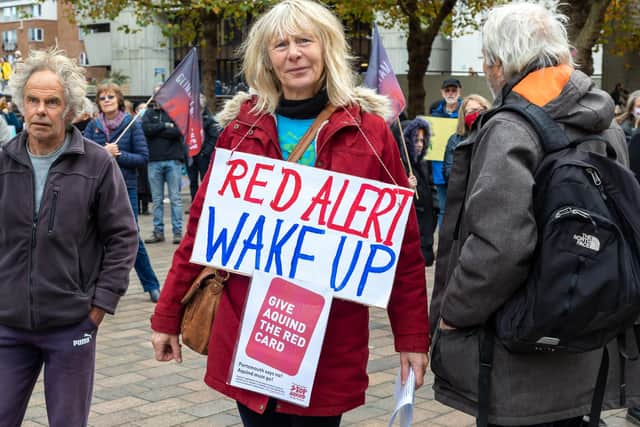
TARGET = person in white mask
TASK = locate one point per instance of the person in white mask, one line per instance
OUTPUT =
(630, 119)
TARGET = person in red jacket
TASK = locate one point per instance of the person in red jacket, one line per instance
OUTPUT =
(296, 63)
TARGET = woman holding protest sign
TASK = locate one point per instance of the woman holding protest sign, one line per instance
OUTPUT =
(296, 62)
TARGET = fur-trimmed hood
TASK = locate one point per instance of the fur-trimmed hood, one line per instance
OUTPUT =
(367, 99)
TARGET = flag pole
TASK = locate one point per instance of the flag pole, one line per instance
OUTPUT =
(146, 104)
(406, 153)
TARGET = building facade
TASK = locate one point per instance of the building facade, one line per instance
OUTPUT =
(29, 24)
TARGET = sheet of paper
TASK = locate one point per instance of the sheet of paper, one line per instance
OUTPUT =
(404, 400)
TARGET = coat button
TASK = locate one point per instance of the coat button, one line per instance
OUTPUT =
(261, 407)
(250, 132)
(320, 164)
(236, 126)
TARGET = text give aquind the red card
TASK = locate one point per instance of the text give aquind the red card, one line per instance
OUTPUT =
(285, 324)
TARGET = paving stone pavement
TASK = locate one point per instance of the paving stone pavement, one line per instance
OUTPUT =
(132, 389)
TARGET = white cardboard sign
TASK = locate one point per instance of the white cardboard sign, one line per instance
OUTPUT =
(303, 223)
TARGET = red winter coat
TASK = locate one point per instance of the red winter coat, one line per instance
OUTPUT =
(341, 378)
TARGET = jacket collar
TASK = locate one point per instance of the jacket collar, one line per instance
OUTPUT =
(17, 147)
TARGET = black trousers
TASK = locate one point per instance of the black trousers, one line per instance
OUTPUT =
(271, 418)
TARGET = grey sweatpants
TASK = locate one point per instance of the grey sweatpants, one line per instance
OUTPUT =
(68, 355)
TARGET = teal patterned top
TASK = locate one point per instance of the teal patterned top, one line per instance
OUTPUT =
(289, 133)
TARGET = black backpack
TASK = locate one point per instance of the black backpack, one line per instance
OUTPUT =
(583, 289)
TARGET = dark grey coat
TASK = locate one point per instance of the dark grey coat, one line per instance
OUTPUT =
(481, 267)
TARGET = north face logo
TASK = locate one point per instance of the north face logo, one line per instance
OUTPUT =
(587, 241)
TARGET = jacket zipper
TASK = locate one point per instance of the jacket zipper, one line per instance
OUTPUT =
(52, 215)
(34, 230)
(34, 233)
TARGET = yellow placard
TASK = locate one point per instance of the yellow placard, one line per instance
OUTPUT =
(441, 129)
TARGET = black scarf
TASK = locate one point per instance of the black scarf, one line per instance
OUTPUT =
(304, 108)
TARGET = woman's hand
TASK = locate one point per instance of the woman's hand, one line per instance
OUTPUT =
(413, 182)
(166, 347)
(112, 149)
(419, 363)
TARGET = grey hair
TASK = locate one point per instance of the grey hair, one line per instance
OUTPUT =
(519, 35)
(70, 74)
(88, 106)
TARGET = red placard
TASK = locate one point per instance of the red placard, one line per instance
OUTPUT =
(284, 326)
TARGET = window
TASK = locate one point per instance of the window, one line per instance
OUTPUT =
(9, 36)
(10, 12)
(36, 34)
(36, 10)
(84, 61)
(96, 28)
(9, 40)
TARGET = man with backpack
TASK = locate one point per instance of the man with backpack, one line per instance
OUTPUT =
(512, 232)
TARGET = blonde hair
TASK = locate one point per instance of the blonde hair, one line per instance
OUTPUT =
(461, 129)
(109, 86)
(297, 17)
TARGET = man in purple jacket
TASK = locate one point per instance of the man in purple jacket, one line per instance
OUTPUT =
(67, 243)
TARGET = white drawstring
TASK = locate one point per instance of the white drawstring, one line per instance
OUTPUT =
(357, 125)
(372, 149)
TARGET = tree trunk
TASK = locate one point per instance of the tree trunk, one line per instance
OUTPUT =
(209, 57)
(585, 22)
(419, 42)
(419, 52)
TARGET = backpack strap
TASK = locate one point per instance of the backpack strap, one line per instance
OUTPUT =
(598, 393)
(551, 135)
(484, 373)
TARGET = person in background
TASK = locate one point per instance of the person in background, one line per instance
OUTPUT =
(200, 162)
(447, 107)
(470, 109)
(17, 58)
(295, 60)
(629, 121)
(128, 147)
(128, 107)
(67, 245)
(619, 95)
(166, 158)
(144, 189)
(5, 71)
(10, 117)
(417, 133)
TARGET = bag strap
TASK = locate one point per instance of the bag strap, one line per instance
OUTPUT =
(551, 135)
(598, 393)
(308, 136)
(484, 375)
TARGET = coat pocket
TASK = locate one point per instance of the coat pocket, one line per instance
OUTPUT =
(454, 360)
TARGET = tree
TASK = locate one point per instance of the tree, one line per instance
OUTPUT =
(186, 22)
(586, 19)
(422, 20)
(613, 22)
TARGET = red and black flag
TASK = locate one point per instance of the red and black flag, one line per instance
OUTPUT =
(179, 97)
